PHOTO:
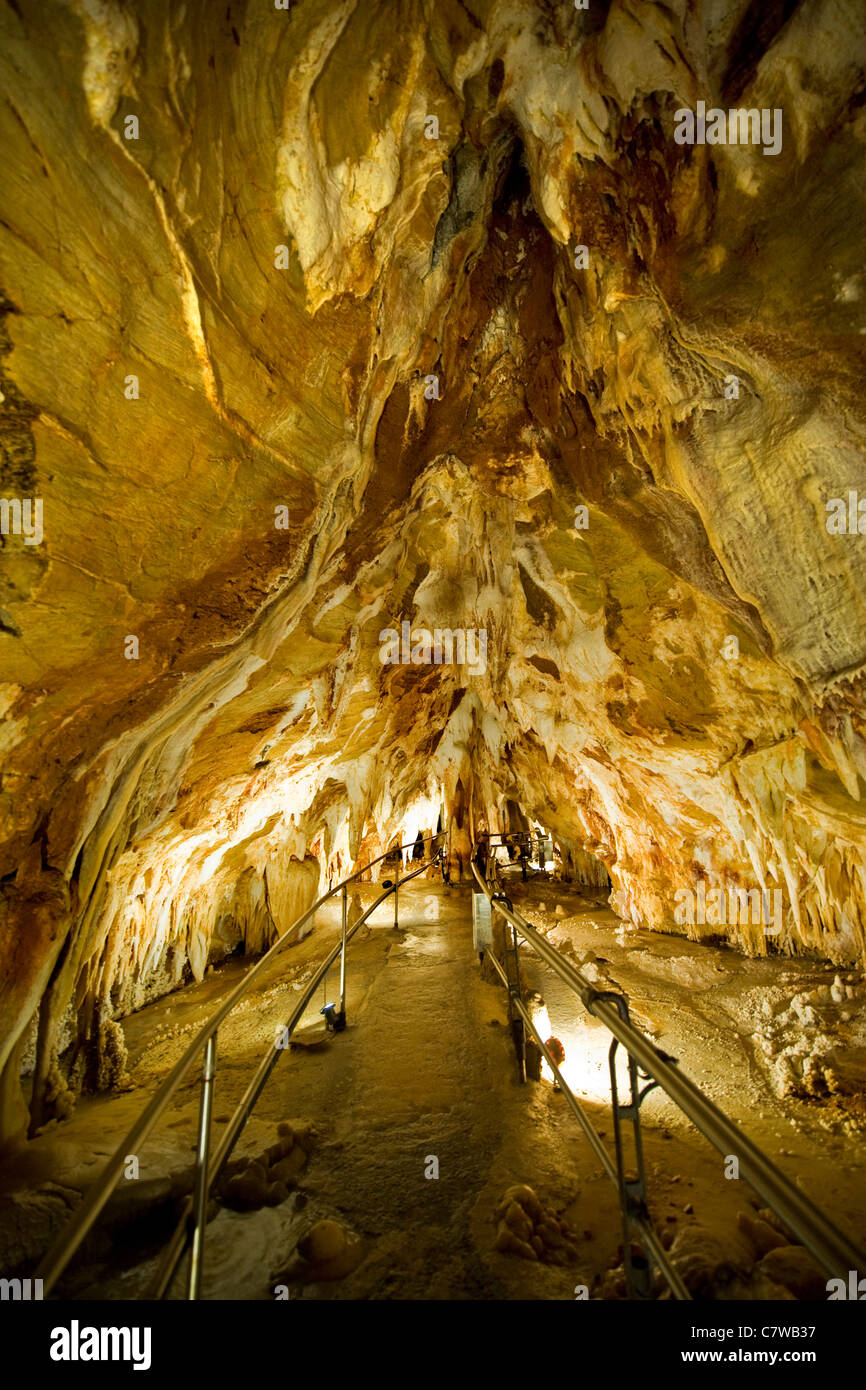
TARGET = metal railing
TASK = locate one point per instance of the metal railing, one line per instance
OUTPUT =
(528, 845)
(190, 1229)
(648, 1068)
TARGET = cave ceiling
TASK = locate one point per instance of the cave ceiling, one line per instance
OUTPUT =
(376, 381)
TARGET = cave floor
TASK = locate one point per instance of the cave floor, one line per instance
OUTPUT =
(426, 1070)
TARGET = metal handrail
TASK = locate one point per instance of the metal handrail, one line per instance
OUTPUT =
(642, 1224)
(832, 1249)
(56, 1259)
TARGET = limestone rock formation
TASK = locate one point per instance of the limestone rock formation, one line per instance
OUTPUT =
(321, 321)
(528, 1230)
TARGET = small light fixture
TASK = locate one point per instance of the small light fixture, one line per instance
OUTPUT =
(336, 1022)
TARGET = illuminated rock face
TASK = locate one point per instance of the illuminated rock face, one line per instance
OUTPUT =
(289, 363)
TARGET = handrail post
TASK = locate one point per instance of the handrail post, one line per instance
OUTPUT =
(632, 1189)
(396, 887)
(343, 955)
(199, 1213)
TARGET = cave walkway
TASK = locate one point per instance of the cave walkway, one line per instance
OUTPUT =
(422, 1123)
(421, 1119)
